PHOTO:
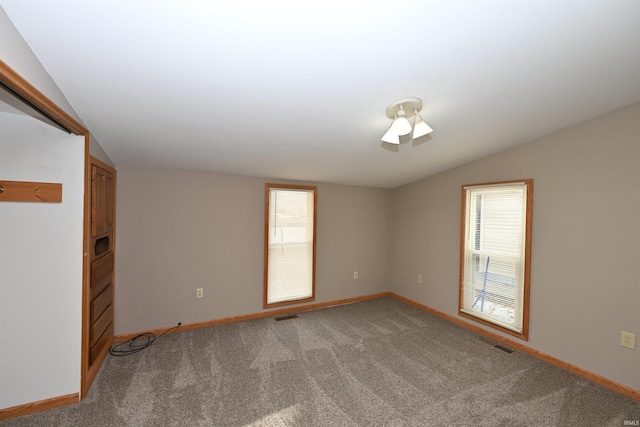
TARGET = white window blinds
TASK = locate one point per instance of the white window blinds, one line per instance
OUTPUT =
(290, 245)
(494, 254)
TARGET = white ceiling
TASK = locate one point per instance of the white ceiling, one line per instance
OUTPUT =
(298, 90)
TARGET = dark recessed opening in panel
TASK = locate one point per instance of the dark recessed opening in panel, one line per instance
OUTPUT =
(101, 246)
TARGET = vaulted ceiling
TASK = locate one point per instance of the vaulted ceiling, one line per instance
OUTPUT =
(298, 90)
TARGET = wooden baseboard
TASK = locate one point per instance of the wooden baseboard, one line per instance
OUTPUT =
(42, 405)
(260, 315)
(31, 408)
(599, 379)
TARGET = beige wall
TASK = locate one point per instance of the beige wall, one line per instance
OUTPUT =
(178, 231)
(585, 279)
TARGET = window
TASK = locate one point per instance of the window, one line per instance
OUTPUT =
(290, 244)
(495, 255)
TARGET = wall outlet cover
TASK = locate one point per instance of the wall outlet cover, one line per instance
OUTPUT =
(628, 340)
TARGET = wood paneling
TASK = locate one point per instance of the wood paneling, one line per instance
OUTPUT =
(102, 346)
(100, 326)
(99, 293)
(100, 303)
(101, 270)
(102, 201)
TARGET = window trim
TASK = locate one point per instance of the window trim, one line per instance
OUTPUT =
(268, 188)
(524, 334)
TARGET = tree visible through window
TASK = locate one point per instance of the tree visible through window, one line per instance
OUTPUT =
(290, 218)
(495, 255)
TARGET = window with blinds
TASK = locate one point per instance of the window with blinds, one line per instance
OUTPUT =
(495, 255)
(290, 218)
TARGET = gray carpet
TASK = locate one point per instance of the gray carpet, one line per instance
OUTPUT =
(374, 363)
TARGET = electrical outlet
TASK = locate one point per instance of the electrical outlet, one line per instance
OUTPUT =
(199, 293)
(419, 279)
(628, 340)
(355, 274)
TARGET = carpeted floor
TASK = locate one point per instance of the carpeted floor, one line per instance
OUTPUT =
(375, 363)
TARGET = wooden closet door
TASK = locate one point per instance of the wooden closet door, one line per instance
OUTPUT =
(102, 201)
(101, 275)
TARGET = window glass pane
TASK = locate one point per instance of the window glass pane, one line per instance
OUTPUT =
(494, 253)
(290, 245)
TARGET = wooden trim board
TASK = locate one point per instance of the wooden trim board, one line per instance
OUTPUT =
(617, 387)
(42, 405)
(14, 81)
(270, 313)
(23, 191)
(74, 398)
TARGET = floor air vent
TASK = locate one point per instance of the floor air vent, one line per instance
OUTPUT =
(287, 317)
(494, 344)
(505, 349)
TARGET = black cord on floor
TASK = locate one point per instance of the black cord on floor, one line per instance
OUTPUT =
(137, 343)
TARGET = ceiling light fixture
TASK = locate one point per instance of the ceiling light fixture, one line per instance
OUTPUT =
(401, 125)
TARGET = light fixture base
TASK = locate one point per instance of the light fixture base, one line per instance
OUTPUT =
(409, 105)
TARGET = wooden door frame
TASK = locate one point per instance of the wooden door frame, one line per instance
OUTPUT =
(31, 95)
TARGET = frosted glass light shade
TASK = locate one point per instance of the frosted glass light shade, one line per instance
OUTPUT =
(401, 112)
(391, 137)
(401, 126)
(420, 128)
